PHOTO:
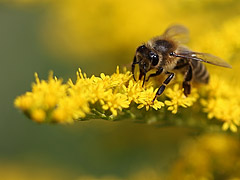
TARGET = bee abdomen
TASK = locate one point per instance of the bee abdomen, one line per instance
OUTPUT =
(200, 73)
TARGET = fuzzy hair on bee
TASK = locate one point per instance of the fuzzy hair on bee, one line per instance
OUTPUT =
(167, 53)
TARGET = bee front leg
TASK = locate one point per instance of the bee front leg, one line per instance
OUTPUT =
(144, 77)
(163, 86)
(158, 72)
(187, 81)
(133, 66)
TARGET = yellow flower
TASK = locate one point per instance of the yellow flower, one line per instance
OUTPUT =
(230, 125)
(104, 89)
(24, 102)
(133, 90)
(38, 115)
(177, 98)
(44, 97)
(48, 93)
(223, 103)
(119, 79)
(70, 108)
(115, 102)
(145, 99)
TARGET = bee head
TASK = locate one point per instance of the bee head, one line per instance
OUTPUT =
(146, 58)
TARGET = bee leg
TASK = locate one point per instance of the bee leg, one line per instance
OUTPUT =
(163, 86)
(187, 81)
(133, 66)
(144, 77)
(141, 75)
(158, 72)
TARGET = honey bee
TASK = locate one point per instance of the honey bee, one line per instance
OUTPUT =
(166, 54)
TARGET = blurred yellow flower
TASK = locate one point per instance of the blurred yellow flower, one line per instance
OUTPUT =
(224, 42)
(83, 27)
(223, 102)
(212, 156)
(90, 28)
(38, 115)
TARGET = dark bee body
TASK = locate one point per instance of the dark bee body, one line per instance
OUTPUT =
(166, 54)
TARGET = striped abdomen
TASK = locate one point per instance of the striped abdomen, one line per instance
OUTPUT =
(200, 73)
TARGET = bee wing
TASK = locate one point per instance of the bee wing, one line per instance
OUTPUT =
(203, 57)
(178, 33)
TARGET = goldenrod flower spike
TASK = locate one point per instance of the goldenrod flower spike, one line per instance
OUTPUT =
(118, 96)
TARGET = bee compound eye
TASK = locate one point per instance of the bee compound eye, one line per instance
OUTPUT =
(154, 58)
(141, 48)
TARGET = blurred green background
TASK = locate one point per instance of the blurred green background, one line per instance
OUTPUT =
(39, 36)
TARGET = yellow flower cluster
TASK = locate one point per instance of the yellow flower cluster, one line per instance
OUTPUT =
(102, 97)
(223, 102)
(107, 96)
(141, 96)
(45, 96)
(107, 90)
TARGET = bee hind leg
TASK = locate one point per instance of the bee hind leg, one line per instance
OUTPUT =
(163, 86)
(187, 81)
